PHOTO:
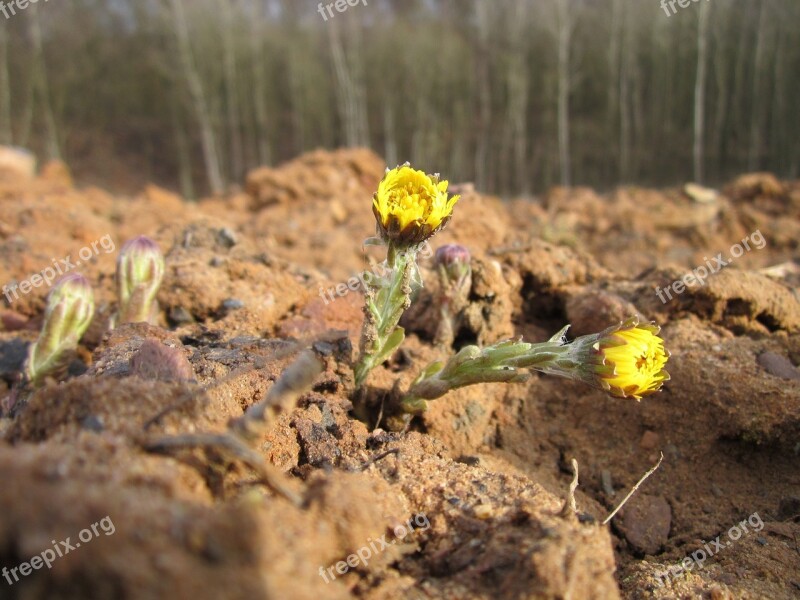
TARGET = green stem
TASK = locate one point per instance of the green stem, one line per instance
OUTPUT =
(501, 362)
(385, 304)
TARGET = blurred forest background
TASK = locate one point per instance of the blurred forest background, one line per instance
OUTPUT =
(514, 95)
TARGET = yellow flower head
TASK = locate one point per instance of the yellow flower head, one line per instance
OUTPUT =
(411, 206)
(633, 360)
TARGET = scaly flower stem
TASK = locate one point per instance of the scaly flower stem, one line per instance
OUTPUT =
(501, 362)
(386, 302)
(625, 360)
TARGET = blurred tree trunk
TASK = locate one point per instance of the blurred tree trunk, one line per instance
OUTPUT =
(202, 114)
(564, 39)
(759, 83)
(722, 68)
(515, 135)
(484, 94)
(6, 133)
(184, 154)
(698, 148)
(259, 86)
(624, 100)
(231, 95)
(613, 83)
(350, 89)
(41, 87)
(389, 142)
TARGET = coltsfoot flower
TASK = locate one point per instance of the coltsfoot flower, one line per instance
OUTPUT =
(140, 269)
(70, 306)
(632, 360)
(626, 360)
(410, 206)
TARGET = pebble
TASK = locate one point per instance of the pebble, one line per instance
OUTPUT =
(226, 237)
(179, 315)
(93, 423)
(650, 440)
(778, 365)
(608, 485)
(232, 304)
(646, 523)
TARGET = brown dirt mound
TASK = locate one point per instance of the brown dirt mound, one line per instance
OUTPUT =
(467, 504)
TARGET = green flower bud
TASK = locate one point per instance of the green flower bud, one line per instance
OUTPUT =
(140, 269)
(70, 306)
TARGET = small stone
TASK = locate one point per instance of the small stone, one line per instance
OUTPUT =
(156, 361)
(93, 423)
(180, 316)
(318, 447)
(608, 484)
(217, 261)
(762, 540)
(650, 440)
(778, 365)
(12, 320)
(646, 522)
(788, 508)
(717, 491)
(226, 237)
(483, 511)
(718, 593)
(232, 304)
(700, 194)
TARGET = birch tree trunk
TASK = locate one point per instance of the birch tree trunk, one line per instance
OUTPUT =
(754, 156)
(625, 102)
(6, 133)
(564, 38)
(225, 10)
(41, 87)
(349, 91)
(484, 95)
(208, 137)
(698, 148)
(259, 87)
(612, 93)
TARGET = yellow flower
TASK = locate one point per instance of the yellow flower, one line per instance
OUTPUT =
(633, 360)
(411, 206)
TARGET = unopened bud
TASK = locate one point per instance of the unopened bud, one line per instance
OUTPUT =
(140, 269)
(455, 274)
(453, 257)
(70, 306)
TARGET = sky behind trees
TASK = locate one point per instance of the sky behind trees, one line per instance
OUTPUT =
(513, 95)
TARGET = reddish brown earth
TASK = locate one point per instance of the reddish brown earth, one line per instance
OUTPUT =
(485, 472)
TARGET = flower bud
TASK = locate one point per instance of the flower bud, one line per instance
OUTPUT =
(455, 259)
(70, 306)
(455, 274)
(140, 269)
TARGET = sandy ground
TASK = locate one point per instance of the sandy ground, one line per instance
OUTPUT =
(465, 504)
